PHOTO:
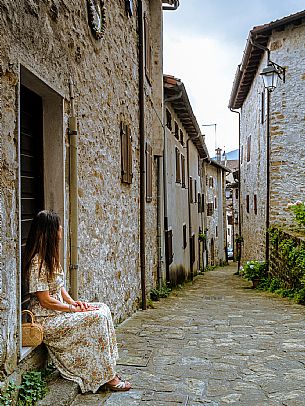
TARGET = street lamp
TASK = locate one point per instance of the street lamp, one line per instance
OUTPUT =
(271, 73)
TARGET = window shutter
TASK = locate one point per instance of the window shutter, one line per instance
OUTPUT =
(148, 65)
(191, 190)
(169, 237)
(148, 173)
(126, 154)
(183, 170)
(184, 236)
(178, 174)
(210, 209)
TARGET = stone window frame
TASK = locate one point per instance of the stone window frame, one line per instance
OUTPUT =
(126, 154)
(183, 171)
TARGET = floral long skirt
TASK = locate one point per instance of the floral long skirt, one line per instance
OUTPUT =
(82, 346)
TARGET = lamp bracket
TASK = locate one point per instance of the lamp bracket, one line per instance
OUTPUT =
(279, 69)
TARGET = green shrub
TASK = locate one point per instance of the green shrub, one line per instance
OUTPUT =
(254, 270)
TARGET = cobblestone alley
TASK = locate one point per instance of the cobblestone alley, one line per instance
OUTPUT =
(215, 342)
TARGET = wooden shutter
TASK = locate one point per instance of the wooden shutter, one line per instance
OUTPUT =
(148, 50)
(169, 237)
(199, 203)
(126, 154)
(148, 173)
(184, 244)
(183, 170)
(178, 172)
(191, 190)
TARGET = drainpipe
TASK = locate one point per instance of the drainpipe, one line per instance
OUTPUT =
(268, 178)
(174, 7)
(73, 139)
(142, 153)
(159, 214)
(239, 192)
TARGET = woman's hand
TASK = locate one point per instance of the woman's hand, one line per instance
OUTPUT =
(83, 306)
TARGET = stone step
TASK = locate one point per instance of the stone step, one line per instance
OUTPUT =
(61, 392)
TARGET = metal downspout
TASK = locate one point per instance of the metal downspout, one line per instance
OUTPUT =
(159, 215)
(268, 179)
(142, 153)
(73, 139)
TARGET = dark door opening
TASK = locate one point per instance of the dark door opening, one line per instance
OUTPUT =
(31, 164)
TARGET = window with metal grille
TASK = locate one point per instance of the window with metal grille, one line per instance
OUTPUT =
(191, 190)
(210, 209)
(183, 170)
(178, 172)
(148, 173)
(169, 124)
(126, 154)
(184, 244)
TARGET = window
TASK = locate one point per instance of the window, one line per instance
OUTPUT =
(241, 154)
(184, 236)
(247, 204)
(181, 137)
(255, 204)
(236, 194)
(210, 209)
(216, 231)
(195, 191)
(176, 130)
(264, 101)
(168, 120)
(183, 170)
(148, 173)
(191, 190)
(126, 154)
(147, 42)
(206, 180)
(211, 181)
(215, 202)
(178, 174)
(249, 148)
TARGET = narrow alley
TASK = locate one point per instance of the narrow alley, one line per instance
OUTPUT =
(214, 342)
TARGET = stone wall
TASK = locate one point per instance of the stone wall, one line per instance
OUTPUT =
(54, 42)
(287, 149)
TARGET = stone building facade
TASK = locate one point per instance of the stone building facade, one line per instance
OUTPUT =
(215, 210)
(48, 51)
(185, 151)
(285, 157)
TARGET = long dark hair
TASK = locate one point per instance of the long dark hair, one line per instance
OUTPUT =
(43, 240)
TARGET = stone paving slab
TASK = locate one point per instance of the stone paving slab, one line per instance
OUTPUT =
(216, 342)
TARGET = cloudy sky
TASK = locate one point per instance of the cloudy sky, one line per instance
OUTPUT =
(203, 44)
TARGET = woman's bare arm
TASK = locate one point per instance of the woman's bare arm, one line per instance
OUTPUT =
(78, 303)
(49, 302)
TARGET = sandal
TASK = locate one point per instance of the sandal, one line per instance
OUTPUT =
(122, 386)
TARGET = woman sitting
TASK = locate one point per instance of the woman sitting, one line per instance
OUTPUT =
(80, 336)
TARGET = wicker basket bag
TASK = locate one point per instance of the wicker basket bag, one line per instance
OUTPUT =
(32, 333)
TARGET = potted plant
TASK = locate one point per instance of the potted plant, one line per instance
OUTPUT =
(254, 271)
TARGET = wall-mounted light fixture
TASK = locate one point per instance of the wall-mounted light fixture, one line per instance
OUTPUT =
(270, 75)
